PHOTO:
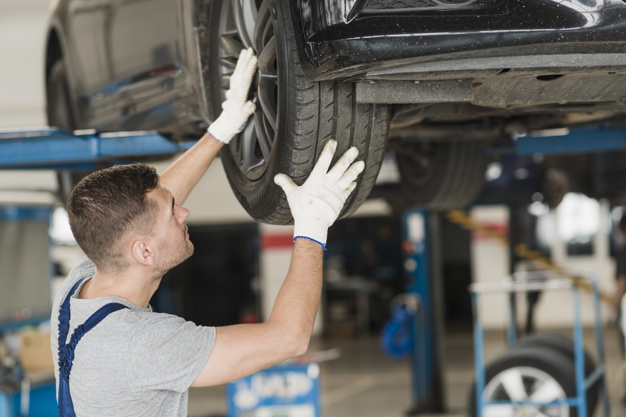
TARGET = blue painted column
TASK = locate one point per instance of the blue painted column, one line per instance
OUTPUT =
(5, 405)
(421, 269)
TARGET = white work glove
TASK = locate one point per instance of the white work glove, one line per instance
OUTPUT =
(236, 109)
(316, 204)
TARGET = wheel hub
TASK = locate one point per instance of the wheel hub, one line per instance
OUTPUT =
(524, 384)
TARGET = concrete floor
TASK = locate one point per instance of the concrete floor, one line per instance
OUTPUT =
(362, 382)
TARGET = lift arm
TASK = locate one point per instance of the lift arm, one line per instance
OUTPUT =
(51, 148)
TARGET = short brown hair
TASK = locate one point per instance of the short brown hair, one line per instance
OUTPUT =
(107, 205)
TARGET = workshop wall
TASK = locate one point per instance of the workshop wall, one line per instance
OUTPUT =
(491, 262)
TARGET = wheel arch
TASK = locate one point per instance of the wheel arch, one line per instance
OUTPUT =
(197, 15)
(56, 49)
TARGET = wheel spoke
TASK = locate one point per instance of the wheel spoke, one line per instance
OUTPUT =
(513, 384)
(264, 28)
(550, 390)
(267, 99)
(231, 45)
(499, 410)
(268, 82)
(264, 138)
(243, 16)
(267, 58)
(248, 144)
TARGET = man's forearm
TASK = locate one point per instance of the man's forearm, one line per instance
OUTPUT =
(186, 171)
(297, 302)
(183, 175)
(244, 349)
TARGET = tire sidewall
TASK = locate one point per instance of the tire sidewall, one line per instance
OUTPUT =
(559, 343)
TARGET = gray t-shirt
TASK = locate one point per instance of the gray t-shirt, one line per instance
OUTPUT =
(134, 362)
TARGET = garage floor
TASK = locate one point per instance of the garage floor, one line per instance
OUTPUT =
(364, 383)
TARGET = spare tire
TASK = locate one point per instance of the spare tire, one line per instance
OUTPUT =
(294, 118)
(528, 373)
(565, 346)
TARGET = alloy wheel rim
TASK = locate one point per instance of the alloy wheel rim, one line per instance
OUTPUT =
(524, 383)
(244, 24)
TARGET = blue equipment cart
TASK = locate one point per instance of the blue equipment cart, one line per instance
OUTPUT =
(538, 365)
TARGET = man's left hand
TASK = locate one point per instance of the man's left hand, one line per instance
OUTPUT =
(236, 109)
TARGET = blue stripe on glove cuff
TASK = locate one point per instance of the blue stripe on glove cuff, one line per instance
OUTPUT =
(215, 137)
(313, 240)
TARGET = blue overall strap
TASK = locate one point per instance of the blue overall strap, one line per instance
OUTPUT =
(66, 351)
(64, 315)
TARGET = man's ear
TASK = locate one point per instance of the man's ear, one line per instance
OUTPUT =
(142, 250)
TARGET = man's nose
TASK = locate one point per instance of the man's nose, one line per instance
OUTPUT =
(184, 213)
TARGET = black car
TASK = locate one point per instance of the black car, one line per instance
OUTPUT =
(432, 82)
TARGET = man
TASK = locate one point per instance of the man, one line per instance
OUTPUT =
(115, 357)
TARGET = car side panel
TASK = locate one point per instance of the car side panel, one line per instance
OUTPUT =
(89, 61)
(127, 64)
(143, 52)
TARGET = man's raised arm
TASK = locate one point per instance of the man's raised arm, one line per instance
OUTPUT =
(244, 349)
(183, 175)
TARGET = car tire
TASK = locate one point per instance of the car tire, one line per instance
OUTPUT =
(60, 115)
(441, 175)
(527, 369)
(294, 117)
(565, 346)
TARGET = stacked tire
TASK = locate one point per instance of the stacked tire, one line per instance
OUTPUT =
(540, 368)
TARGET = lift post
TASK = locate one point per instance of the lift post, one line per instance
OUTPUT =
(421, 268)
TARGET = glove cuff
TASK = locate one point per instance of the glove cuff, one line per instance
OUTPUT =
(313, 231)
(223, 130)
(312, 240)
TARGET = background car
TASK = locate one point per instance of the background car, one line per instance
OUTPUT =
(429, 84)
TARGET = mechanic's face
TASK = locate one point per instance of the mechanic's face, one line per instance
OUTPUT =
(171, 233)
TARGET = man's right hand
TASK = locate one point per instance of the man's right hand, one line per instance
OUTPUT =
(316, 204)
